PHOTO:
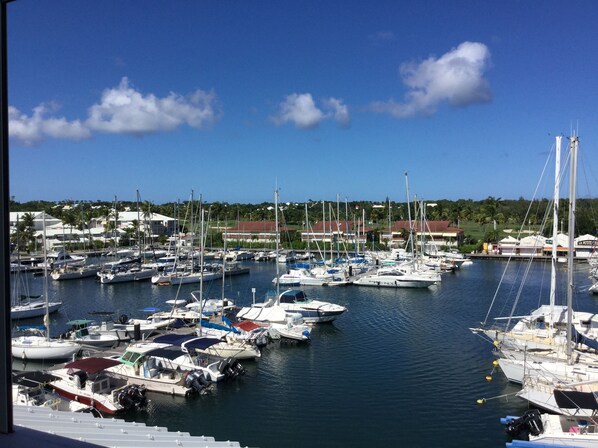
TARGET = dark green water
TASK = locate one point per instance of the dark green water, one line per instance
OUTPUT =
(400, 368)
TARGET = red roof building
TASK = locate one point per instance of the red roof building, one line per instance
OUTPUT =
(435, 233)
(254, 231)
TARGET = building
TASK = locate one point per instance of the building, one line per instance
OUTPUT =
(254, 232)
(435, 234)
(342, 232)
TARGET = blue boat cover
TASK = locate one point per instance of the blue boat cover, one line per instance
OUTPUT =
(188, 340)
(219, 327)
(581, 339)
(174, 339)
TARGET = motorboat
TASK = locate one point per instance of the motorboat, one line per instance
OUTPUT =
(400, 276)
(191, 347)
(230, 344)
(89, 381)
(32, 389)
(139, 365)
(294, 329)
(81, 332)
(62, 258)
(143, 327)
(312, 311)
(536, 429)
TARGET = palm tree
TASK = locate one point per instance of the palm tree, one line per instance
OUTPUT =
(70, 219)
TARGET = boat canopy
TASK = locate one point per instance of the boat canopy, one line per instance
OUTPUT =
(247, 325)
(32, 379)
(292, 296)
(31, 327)
(92, 365)
(572, 399)
(174, 339)
(189, 341)
(79, 322)
(207, 324)
(169, 352)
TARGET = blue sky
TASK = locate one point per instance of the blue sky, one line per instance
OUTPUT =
(325, 99)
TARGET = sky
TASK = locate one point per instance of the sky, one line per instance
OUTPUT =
(322, 100)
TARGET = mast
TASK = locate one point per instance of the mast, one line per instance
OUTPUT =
(365, 237)
(409, 217)
(276, 225)
(307, 228)
(324, 229)
(201, 300)
(138, 226)
(47, 315)
(572, 192)
(555, 223)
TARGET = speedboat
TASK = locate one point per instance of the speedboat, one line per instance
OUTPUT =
(142, 365)
(32, 388)
(400, 276)
(312, 311)
(82, 333)
(88, 381)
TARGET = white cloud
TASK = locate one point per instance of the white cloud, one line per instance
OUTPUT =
(302, 111)
(457, 77)
(340, 111)
(121, 109)
(299, 109)
(125, 110)
(32, 129)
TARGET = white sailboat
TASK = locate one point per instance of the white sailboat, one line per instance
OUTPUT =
(24, 305)
(546, 328)
(40, 346)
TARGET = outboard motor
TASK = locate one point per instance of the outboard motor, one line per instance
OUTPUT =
(132, 396)
(225, 367)
(528, 423)
(123, 319)
(238, 368)
(197, 381)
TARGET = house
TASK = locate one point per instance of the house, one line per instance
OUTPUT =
(254, 232)
(508, 246)
(153, 224)
(38, 220)
(345, 232)
(531, 245)
(562, 245)
(585, 246)
(436, 234)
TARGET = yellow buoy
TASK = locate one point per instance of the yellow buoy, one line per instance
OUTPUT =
(488, 377)
(496, 343)
(495, 363)
(481, 401)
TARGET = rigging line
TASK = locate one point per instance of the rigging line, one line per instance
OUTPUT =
(553, 148)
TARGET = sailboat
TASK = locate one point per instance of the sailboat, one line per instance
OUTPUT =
(407, 274)
(546, 328)
(40, 346)
(130, 268)
(24, 305)
(558, 378)
(285, 324)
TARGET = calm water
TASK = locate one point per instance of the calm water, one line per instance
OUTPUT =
(400, 367)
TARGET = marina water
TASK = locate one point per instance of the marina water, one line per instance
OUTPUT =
(400, 368)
